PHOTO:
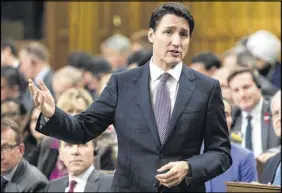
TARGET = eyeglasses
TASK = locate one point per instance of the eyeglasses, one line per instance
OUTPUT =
(7, 147)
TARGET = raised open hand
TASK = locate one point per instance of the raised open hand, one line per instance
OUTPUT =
(43, 100)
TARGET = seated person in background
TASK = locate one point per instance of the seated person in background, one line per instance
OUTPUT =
(221, 75)
(243, 168)
(139, 58)
(94, 69)
(272, 170)
(74, 101)
(13, 83)
(12, 108)
(206, 63)
(17, 175)
(251, 115)
(41, 151)
(82, 176)
(65, 78)
(9, 53)
(246, 59)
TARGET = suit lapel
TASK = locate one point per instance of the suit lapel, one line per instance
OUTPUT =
(92, 184)
(144, 100)
(62, 186)
(264, 126)
(185, 91)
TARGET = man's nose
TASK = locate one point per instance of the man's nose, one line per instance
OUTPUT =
(176, 40)
(75, 150)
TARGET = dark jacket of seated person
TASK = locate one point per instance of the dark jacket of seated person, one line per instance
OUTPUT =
(82, 176)
(271, 170)
(17, 175)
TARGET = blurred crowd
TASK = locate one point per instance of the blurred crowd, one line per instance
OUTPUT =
(249, 74)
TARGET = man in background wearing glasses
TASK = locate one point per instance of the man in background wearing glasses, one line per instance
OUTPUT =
(17, 175)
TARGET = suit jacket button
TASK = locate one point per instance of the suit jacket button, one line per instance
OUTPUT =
(155, 184)
(161, 156)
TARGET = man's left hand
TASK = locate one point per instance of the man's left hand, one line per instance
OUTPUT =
(177, 171)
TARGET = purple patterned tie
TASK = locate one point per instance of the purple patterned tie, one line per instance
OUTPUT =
(162, 107)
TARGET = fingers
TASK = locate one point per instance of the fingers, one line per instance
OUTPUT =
(166, 175)
(43, 87)
(41, 101)
(166, 167)
(32, 87)
(35, 99)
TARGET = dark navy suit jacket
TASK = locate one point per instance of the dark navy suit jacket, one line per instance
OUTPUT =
(125, 102)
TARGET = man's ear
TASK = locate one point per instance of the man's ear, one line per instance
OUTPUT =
(151, 35)
(22, 148)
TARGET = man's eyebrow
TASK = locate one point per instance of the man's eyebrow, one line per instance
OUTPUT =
(174, 27)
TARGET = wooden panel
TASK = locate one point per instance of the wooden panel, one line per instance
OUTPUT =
(83, 26)
(218, 25)
(57, 32)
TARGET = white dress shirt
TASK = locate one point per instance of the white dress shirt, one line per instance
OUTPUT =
(41, 75)
(81, 180)
(256, 126)
(172, 82)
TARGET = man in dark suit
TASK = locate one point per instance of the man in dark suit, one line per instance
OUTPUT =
(243, 168)
(34, 58)
(79, 162)
(161, 111)
(272, 170)
(17, 175)
(251, 117)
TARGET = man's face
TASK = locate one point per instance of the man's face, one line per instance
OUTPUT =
(245, 93)
(11, 110)
(276, 115)
(227, 110)
(11, 152)
(77, 158)
(221, 75)
(170, 40)
(26, 64)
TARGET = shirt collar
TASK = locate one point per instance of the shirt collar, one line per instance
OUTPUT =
(255, 110)
(16, 63)
(156, 72)
(82, 178)
(10, 175)
(41, 75)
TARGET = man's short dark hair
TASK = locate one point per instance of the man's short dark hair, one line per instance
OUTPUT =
(174, 8)
(7, 123)
(10, 74)
(98, 65)
(78, 59)
(208, 59)
(140, 57)
(22, 108)
(8, 43)
(244, 70)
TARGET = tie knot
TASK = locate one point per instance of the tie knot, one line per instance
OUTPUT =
(249, 117)
(72, 184)
(164, 77)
